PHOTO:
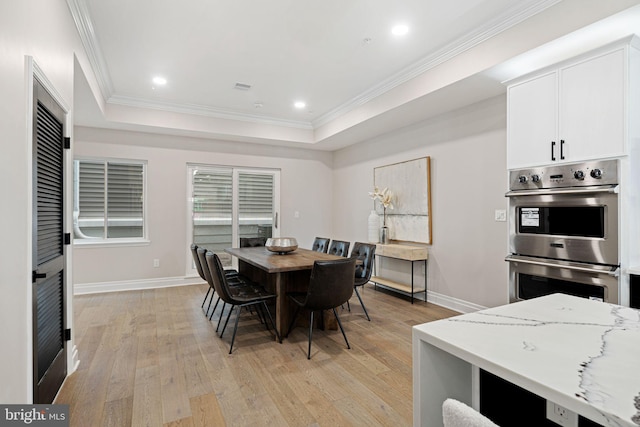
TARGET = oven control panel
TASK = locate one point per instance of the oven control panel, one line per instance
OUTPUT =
(601, 172)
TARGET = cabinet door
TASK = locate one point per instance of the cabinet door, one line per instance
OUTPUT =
(592, 107)
(532, 121)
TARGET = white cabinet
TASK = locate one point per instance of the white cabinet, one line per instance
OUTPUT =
(532, 121)
(572, 112)
(592, 107)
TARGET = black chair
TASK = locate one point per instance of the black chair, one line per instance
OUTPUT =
(251, 242)
(366, 253)
(320, 244)
(247, 294)
(330, 286)
(196, 261)
(233, 278)
(339, 248)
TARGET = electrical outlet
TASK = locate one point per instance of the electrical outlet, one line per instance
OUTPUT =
(501, 215)
(156, 263)
(561, 415)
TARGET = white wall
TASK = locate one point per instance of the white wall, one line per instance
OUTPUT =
(466, 266)
(43, 30)
(306, 186)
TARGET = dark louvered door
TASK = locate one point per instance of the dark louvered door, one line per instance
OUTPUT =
(49, 341)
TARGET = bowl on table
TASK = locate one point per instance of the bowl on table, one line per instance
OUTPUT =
(281, 245)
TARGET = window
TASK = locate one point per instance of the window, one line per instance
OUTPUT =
(229, 203)
(108, 200)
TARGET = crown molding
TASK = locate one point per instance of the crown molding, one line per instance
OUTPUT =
(80, 14)
(201, 110)
(514, 16)
(518, 13)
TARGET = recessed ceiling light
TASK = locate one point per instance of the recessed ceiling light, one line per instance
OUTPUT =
(400, 30)
(160, 81)
(299, 105)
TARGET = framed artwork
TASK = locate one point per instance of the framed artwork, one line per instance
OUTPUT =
(409, 183)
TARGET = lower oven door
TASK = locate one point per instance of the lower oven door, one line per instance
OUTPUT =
(531, 277)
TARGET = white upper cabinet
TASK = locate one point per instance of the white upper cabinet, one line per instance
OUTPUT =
(592, 107)
(573, 112)
(532, 120)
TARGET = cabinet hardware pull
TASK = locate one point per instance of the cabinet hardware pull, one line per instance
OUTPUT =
(553, 145)
(562, 149)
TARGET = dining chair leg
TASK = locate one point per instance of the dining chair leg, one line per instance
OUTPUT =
(205, 297)
(224, 304)
(310, 334)
(272, 322)
(362, 304)
(214, 307)
(235, 328)
(348, 306)
(335, 313)
(226, 321)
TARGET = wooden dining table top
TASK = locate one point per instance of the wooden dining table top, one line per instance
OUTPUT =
(261, 257)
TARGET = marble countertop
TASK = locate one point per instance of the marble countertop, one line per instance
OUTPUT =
(578, 353)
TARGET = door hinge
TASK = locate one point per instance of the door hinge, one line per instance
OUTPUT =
(67, 142)
(67, 334)
(35, 276)
(67, 238)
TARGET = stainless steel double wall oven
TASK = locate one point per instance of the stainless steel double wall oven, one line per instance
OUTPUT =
(563, 231)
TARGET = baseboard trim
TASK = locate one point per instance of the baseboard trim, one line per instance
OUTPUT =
(452, 303)
(445, 301)
(133, 285)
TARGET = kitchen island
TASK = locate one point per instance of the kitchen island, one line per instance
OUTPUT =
(580, 354)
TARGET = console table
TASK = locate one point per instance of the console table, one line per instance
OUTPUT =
(408, 253)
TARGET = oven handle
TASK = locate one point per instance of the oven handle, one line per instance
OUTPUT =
(611, 271)
(542, 192)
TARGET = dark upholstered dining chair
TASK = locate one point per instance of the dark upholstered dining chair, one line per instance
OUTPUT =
(320, 244)
(247, 294)
(250, 242)
(339, 248)
(196, 261)
(366, 253)
(330, 285)
(232, 276)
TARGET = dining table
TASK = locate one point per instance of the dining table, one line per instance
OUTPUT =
(279, 273)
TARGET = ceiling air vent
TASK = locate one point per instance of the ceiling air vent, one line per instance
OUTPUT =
(242, 86)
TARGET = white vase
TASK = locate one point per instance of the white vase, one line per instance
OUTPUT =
(374, 227)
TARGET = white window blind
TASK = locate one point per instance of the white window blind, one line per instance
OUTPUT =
(229, 203)
(109, 199)
(255, 198)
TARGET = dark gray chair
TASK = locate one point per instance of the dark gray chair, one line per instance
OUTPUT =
(196, 261)
(320, 244)
(248, 294)
(339, 248)
(366, 253)
(330, 286)
(250, 242)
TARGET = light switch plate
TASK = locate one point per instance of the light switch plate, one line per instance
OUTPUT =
(501, 215)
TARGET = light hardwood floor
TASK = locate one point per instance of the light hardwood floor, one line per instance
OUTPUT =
(152, 358)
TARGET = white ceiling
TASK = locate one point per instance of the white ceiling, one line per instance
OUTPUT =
(335, 55)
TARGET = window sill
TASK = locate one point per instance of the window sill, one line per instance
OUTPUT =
(92, 243)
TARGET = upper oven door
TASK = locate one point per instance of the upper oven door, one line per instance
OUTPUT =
(567, 224)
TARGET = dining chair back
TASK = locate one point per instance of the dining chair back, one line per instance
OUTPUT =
(330, 285)
(246, 294)
(339, 248)
(196, 262)
(250, 242)
(320, 244)
(366, 253)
